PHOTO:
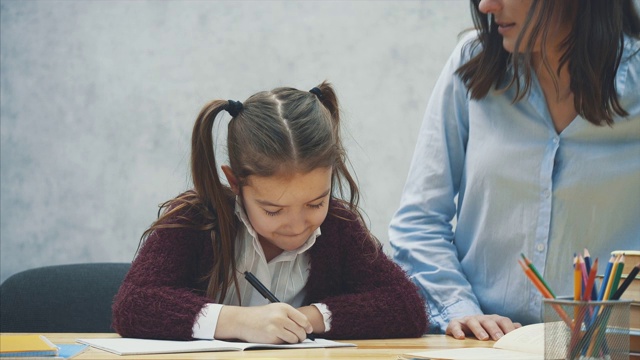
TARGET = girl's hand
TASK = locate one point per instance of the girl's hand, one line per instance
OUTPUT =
(275, 323)
(315, 318)
(483, 327)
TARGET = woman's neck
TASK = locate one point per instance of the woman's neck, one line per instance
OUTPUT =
(556, 86)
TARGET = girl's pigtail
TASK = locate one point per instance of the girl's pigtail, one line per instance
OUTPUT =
(203, 163)
(215, 197)
(341, 172)
(330, 102)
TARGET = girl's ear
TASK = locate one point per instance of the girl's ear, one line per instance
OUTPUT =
(233, 181)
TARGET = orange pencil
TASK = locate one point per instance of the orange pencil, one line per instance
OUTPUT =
(535, 280)
(544, 291)
(537, 274)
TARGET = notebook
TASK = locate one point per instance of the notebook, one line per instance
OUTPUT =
(26, 346)
(525, 343)
(36, 347)
(131, 346)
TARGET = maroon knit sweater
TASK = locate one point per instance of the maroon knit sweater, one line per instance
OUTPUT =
(369, 296)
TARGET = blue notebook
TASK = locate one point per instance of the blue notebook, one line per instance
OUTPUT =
(67, 351)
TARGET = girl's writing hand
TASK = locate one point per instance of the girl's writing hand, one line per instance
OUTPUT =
(315, 318)
(275, 323)
(483, 327)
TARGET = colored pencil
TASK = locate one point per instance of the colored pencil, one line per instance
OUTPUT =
(603, 313)
(587, 259)
(577, 279)
(605, 279)
(544, 291)
(537, 274)
(616, 276)
(626, 283)
(587, 263)
(607, 285)
(578, 311)
(586, 296)
(585, 272)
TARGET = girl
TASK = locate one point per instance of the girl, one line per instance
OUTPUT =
(281, 218)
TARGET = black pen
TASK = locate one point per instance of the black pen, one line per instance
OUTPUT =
(266, 293)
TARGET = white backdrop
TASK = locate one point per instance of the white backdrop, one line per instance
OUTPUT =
(98, 99)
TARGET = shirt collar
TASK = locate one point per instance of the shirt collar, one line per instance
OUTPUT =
(285, 255)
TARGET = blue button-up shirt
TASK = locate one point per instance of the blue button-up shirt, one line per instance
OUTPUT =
(490, 180)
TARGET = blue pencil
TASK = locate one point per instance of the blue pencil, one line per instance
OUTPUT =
(605, 280)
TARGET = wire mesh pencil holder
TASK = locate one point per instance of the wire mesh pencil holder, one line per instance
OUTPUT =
(586, 330)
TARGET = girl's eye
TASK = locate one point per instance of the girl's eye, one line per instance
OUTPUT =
(316, 206)
(272, 213)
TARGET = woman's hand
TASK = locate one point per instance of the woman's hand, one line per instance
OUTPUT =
(275, 323)
(483, 327)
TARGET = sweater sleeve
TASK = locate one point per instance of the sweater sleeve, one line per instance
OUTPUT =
(160, 297)
(368, 295)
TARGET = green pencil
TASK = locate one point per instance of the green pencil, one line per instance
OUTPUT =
(537, 274)
(616, 277)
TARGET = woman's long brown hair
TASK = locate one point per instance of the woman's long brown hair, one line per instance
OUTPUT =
(592, 51)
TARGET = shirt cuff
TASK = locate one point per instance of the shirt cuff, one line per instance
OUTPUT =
(440, 321)
(326, 315)
(205, 325)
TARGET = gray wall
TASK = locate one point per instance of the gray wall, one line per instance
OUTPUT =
(98, 99)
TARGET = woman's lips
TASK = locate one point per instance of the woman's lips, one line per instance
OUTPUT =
(505, 27)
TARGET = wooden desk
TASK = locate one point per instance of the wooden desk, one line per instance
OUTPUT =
(388, 349)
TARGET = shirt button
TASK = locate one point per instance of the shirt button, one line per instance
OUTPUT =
(540, 247)
(547, 193)
(555, 140)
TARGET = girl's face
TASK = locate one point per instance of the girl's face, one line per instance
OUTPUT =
(286, 209)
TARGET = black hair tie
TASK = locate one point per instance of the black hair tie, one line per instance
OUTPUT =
(234, 108)
(317, 92)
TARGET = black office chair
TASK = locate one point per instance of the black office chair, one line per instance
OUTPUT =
(61, 298)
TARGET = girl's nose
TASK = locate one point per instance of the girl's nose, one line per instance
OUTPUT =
(297, 224)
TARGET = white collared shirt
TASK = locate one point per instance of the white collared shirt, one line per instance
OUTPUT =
(285, 276)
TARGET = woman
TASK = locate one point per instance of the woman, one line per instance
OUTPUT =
(532, 140)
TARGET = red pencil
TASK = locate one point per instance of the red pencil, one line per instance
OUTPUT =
(586, 295)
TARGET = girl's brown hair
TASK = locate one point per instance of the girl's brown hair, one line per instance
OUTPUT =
(279, 131)
(592, 52)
